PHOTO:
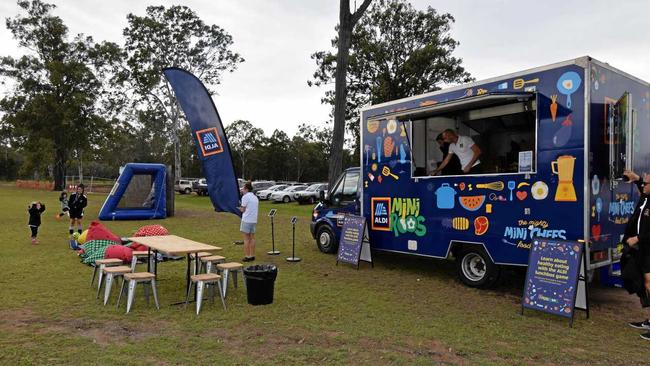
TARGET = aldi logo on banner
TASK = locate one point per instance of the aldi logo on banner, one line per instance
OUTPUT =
(380, 213)
(209, 141)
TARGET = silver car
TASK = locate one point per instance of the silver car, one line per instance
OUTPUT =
(310, 195)
(286, 195)
(265, 193)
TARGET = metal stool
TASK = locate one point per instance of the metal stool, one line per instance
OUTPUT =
(225, 269)
(136, 255)
(133, 279)
(112, 272)
(200, 255)
(210, 260)
(201, 280)
(100, 264)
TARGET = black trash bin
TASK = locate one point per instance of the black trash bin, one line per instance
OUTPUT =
(260, 280)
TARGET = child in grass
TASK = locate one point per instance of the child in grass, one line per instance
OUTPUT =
(63, 199)
(76, 204)
(35, 210)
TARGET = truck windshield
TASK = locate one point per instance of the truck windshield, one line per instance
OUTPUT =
(346, 187)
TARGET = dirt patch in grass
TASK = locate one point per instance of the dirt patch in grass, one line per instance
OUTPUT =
(380, 351)
(432, 350)
(101, 332)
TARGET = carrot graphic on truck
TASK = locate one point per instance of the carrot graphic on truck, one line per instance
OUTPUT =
(553, 106)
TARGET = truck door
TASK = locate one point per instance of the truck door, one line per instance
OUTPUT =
(619, 125)
(344, 196)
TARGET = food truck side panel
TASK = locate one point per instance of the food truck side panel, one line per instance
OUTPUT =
(425, 216)
(612, 203)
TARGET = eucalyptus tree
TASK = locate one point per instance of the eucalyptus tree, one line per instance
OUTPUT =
(58, 99)
(395, 51)
(173, 37)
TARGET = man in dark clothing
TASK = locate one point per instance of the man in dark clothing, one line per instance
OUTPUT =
(637, 236)
(77, 203)
(453, 168)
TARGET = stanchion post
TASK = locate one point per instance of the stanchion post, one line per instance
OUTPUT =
(273, 251)
(293, 257)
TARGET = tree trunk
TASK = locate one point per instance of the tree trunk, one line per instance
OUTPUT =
(59, 169)
(177, 145)
(346, 25)
(80, 165)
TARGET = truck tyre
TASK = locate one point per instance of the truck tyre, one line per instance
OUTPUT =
(188, 191)
(286, 199)
(326, 240)
(475, 268)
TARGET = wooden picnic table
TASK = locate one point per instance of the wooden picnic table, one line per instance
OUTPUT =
(174, 245)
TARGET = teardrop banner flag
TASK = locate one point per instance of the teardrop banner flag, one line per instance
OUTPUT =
(211, 141)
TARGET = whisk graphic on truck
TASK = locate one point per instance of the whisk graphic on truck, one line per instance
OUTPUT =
(553, 144)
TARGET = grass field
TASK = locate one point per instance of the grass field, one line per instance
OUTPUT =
(404, 311)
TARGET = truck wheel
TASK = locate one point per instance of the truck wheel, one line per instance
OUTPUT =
(326, 239)
(476, 269)
(188, 191)
(286, 199)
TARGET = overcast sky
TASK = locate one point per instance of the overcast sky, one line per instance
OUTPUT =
(276, 37)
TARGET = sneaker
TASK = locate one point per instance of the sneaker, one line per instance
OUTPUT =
(33, 240)
(646, 336)
(248, 259)
(645, 325)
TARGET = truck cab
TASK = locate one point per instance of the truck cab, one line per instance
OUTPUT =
(344, 197)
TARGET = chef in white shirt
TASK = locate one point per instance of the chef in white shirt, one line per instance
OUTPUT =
(466, 150)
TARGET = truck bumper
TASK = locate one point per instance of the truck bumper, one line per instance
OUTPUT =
(312, 228)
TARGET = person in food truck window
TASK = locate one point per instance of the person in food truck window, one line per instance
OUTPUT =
(637, 236)
(466, 150)
(453, 168)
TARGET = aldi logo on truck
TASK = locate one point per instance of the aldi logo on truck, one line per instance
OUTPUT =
(380, 213)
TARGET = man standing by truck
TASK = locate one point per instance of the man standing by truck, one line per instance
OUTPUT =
(249, 207)
(637, 236)
(466, 150)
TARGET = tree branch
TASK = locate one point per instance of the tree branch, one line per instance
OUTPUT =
(357, 14)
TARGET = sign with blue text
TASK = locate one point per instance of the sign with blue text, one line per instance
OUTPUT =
(552, 277)
(351, 239)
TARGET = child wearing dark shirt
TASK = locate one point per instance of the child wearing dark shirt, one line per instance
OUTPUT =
(76, 204)
(35, 210)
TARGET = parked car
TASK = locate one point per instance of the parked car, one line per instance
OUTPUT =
(183, 186)
(286, 195)
(310, 195)
(261, 185)
(200, 187)
(265, 193)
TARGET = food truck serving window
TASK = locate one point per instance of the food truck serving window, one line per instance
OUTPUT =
(502, 126)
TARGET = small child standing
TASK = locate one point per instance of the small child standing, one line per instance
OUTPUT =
(35, 210)
(63, 199)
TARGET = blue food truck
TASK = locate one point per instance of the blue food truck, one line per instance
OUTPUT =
(554, 143)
